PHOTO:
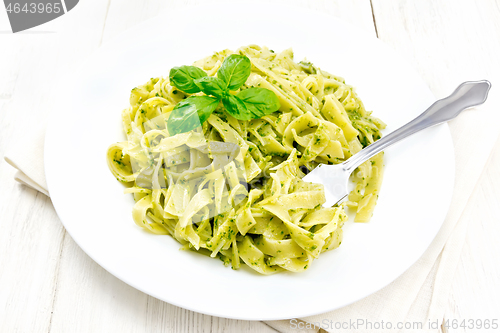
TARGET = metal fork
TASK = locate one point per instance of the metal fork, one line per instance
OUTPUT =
(335, 177)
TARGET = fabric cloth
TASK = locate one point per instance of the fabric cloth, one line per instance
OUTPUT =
(417, 297)
(26, 155)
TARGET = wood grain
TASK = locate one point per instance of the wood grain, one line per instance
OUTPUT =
(475, 292)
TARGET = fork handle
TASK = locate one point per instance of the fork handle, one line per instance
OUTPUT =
(468, 94)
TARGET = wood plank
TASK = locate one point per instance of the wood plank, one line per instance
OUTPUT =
(29, 245)
(129, 13)
(30, 237)
(31, 234)
(447, 42)
(475, 292)
(29, 256)
(30, 231)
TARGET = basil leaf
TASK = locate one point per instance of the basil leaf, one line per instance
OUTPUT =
(235, 70)
(211, 85)
(236, 108)
(191, 113)
(259, 101)
(183, 78)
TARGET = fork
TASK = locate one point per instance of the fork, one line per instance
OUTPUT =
(335, 177)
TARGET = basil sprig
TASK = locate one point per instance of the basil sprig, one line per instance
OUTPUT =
(193, 111)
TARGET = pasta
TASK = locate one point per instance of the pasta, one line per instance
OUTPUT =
(232, 189)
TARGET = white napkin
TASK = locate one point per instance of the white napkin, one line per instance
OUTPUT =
(26, 155)
(420, 294)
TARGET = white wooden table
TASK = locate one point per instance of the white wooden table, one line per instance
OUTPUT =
(47, 283)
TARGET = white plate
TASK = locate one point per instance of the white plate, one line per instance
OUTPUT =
(414, 199)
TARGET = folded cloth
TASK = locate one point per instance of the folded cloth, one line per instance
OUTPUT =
(26, 155)
(418, 297)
